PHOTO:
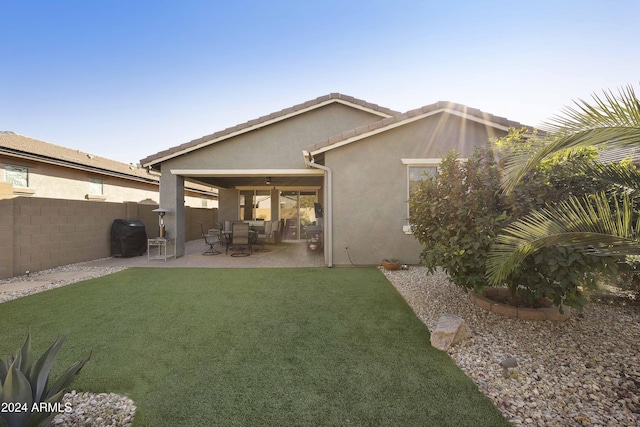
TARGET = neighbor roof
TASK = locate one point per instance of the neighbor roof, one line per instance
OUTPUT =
(615, 155)
(15, 145)
(265, 121)
(411, 116)
(24, 147)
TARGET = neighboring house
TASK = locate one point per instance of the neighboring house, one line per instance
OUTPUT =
(619, 154)
(29, 167)
(357, 160)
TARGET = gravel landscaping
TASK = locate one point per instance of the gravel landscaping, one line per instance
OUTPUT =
(53, 278)
(584, 371)
(87, 409)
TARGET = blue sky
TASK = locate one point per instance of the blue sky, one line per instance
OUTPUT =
(126, 79)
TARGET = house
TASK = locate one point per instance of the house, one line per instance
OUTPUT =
(355, 159)
(29, 167)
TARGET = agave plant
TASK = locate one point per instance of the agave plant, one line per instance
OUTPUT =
(25, 394)
(603, 224)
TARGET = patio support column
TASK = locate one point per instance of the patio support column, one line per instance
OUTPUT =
(248, 204)
(172, 199)
(275, 204)
(328, 209)
(228, 205)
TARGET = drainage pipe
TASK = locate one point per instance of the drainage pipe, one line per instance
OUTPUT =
(328, 212)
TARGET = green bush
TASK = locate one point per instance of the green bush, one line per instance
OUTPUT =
(458, 213)
(628, 278)
(559, 274)
(25, 395)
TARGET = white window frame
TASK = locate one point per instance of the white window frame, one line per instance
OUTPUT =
(10, 169)
(93, 195)
(93, 186)
(413, 163)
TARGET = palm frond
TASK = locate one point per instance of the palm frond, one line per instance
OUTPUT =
(612, 122)
(588, 224)
(607, 111)
(624, 176)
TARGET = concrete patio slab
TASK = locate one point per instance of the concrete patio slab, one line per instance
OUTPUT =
(282, 255)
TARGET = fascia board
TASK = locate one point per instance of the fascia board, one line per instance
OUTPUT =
(246, 172)
(78, 166)
(427, 161)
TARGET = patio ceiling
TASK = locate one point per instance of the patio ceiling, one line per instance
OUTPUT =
(273, 178)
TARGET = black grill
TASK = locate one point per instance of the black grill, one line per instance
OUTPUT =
(128, 238)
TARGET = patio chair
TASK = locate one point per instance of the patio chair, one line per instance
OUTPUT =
(240, 237)
(263, 237)
(210, 240)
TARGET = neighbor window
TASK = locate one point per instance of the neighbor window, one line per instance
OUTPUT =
(17, 175)
(96, 187)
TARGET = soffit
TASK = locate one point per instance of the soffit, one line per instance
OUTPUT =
(254, 178)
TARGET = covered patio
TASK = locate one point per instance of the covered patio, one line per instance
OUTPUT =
(262, 168)
(280, 255)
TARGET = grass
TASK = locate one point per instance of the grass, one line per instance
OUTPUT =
(252, 347)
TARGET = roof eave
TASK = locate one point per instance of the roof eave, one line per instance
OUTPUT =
(79, 166)
(410, 119)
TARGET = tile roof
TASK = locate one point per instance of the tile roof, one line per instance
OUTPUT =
(13, 144)
(614, 155)
(264, 120)
(399, 119)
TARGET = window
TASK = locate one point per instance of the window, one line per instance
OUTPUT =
(96, 190)
(255, 204)
(417, 170)
(418, 173)
(96, 187)
(17, 175)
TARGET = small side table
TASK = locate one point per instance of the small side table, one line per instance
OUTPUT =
(160, 248)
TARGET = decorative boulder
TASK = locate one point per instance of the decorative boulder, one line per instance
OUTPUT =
(450, 331)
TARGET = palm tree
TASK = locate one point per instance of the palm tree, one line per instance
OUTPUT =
(594, 224)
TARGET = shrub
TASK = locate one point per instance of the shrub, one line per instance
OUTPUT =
(458, 213)
(629, 277)
(25, 394)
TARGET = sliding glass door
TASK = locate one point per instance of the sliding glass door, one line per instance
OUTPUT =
(296, 212)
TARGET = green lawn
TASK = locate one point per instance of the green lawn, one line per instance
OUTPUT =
(252, 347)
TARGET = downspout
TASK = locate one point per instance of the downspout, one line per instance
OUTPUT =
(328, 212)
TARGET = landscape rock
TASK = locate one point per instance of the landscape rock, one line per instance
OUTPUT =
(583, 371)
(449, 331)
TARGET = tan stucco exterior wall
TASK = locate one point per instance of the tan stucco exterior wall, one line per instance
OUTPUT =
(370, 186)
(278, 146)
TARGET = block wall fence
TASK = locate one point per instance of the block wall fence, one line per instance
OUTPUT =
(38, 234)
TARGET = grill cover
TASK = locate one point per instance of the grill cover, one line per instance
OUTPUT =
(128, 238)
